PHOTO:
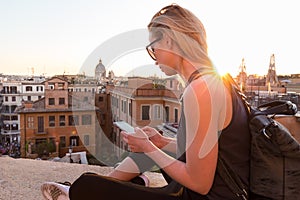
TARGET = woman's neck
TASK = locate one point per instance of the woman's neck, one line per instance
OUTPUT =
(186, 69)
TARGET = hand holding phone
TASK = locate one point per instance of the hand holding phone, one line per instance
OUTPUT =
(125, 127)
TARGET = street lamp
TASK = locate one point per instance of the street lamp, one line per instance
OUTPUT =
(70, 151)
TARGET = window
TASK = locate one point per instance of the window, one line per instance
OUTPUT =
(100, 99)
(28, 89)
(13, 98)
(145, 112)
(86, 119)
(39, 88)
(40, 124)
(130, 109)
(6, 109)
(51, 101)
(14, 117)
(6, 117)
(6, 98)
(176, 115)
(14, 127)
(61, 86)
(171, 83)
(86, 140)
(73, 120)
(28, 98)
(30, 122)
(122, 106)
(157, 112)
(52, 121)
(125, 107)
(62, 140)
(62, 120)
(13, 108)
(51, 86)
(13, 90)
(6, 127)
(61, 101)
(167, 110)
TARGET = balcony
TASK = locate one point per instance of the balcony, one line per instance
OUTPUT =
(10, 92)
(41, 132)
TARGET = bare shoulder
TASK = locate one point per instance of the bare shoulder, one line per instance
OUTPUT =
(206, 87)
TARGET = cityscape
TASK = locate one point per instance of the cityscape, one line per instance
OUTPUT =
(56, 117)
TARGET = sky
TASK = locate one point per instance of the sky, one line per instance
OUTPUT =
(50, 37)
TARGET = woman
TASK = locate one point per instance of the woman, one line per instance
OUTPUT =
(213, 121)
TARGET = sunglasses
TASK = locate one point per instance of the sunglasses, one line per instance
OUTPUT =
(163, 11)
(151, 50)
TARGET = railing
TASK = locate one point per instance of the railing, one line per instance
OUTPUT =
(10, 92)
(44, 132)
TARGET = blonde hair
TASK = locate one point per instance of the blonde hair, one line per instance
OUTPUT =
(183, 27)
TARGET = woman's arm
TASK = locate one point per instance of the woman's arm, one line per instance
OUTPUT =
(162, 142)
(202, 111)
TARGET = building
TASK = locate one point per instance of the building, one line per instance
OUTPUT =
(60, 120)
(14, 91)
(142, 102)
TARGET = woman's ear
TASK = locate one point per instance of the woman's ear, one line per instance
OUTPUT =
(169, 44)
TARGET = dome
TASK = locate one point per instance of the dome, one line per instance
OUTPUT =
(100, 71)
(100, 68)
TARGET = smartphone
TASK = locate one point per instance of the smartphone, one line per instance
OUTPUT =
(124, 126)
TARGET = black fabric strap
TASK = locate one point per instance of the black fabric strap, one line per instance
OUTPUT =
(279, 107)
(196, 74)
(232, 180)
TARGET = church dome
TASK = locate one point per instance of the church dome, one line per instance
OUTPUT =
(100, 68)
(100, 72)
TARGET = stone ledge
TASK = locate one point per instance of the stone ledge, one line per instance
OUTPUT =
(22, 178)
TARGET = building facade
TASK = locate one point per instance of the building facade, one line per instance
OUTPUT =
(59, 120)
(142, 102)
(13, 93)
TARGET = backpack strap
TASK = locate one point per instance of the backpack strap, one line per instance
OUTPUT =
(232, 180)
(278, 107)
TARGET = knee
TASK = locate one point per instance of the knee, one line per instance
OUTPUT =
(81, 186)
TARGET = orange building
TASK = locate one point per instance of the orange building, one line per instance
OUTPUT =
(60, 119)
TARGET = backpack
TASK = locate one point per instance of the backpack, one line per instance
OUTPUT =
(275, 154)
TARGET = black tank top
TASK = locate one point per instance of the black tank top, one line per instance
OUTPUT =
(234, 145)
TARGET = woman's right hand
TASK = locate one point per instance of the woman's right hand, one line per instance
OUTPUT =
(154, 136)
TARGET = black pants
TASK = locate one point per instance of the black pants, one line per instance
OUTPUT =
(92, 186)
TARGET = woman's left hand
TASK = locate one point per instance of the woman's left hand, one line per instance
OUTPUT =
(137, 141)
